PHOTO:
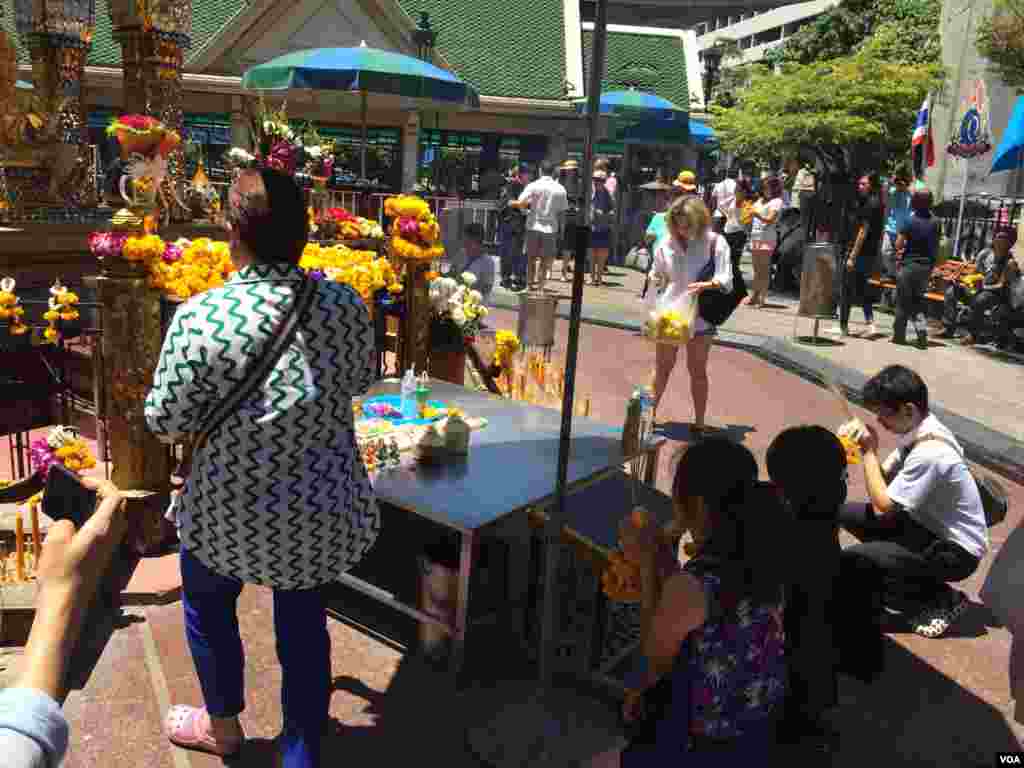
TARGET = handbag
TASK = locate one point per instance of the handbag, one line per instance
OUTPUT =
(995, 501)
(715, 306)
(258, 371)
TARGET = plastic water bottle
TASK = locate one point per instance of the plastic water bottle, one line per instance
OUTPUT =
(408, 405)
(646, 397)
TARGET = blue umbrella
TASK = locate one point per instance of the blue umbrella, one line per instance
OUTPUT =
(354, 75)
(634, 104)
(1008, 154)
(702, 135)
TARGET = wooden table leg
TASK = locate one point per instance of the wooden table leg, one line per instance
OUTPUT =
(462, 603)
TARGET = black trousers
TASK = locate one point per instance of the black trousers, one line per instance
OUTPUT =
(911, 286)
(951, 299)
(857, 289)
(917, 566)
(736, 241)
(980, 304)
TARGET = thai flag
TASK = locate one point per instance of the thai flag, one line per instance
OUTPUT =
(922, 146)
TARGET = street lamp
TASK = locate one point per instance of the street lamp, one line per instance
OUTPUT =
(424, 37)
(712, 62)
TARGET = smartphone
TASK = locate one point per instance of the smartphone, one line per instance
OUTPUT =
(66, 498)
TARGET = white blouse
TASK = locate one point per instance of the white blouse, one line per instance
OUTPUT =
(682, 265)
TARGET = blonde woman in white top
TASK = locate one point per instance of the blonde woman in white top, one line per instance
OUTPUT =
(678, 261)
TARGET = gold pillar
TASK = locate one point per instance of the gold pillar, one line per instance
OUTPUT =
(415, 330)
(57, 73)
(130, 351)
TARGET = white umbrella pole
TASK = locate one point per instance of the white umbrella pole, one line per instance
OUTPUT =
(960, 216)
(362, 147)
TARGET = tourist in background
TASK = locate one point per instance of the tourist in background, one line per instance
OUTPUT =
(805, 186)
(278, 495)
(736, 228)
(1010, 317)
(897, 211)
(917, 247)
(513, 231)
(546, 202)
(602, 214)
(722, 196)
(475, 261)
(763, 236)
(863, 259)
(991, 294)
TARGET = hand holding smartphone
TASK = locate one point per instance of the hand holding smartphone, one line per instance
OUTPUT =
(66, 498)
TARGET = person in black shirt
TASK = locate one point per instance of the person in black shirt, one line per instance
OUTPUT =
(513, 231)
(863, 260)
(917, 246)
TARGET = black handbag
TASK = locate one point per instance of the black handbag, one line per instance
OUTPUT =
(715, 306)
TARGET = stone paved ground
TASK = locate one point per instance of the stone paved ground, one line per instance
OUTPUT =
(942, 702)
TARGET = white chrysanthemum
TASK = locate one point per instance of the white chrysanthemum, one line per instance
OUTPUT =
(314, 152)
(7, 285)
(459, 316)
(469, 279)
(60, 436)
(476, 297)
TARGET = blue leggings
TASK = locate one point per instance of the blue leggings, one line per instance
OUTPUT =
(303, 648)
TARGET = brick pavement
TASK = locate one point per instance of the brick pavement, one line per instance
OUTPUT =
(941, 703)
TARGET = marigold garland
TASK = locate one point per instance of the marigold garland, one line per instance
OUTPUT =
(414, 229)
(62, 307)
(362, 270)
(187, 268)
(10, 307)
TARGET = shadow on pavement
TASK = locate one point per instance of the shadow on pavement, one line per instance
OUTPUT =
(680, 432)
(915, 715)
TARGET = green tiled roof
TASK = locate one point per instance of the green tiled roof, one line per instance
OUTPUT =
(208, 18)
(654, 63)
(501, 47)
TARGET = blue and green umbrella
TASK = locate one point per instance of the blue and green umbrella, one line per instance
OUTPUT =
(354, 76)
(635, 105)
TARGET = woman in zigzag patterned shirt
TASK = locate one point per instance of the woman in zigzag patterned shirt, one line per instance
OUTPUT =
(278, 495)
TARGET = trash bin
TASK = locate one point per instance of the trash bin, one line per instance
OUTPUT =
(536, 326)
(818, 283)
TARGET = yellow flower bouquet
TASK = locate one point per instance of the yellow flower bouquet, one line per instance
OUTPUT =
(187, 268)
(362, 270)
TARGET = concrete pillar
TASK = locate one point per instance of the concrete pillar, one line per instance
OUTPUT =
(410, 151)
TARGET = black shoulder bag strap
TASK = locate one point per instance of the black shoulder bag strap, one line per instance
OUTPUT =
(259, 369)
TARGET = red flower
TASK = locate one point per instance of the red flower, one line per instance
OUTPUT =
(139, 122)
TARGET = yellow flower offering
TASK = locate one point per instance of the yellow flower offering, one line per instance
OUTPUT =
(667, 325)
(506, 344)
(851, 448)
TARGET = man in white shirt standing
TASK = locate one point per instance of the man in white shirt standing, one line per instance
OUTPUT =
(723, 195)
(925, 525)
(546, 200)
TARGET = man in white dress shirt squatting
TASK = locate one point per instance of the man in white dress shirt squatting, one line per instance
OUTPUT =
(546, 202)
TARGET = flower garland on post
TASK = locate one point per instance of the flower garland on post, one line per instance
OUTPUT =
(62, 308)
(11, 309)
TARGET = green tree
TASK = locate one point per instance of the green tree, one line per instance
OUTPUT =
(1001, 41)
(903, 31)
(835, 109)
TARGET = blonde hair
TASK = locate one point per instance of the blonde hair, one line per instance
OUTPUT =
(691, 211)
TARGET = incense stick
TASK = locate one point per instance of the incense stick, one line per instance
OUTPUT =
(19, 547)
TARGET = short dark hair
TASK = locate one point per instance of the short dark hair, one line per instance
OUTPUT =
(921, 200)
(547, 168)
(275, 226)
(807, 462)
(874, 181)
(474, 230)
(732, 173)
(894, 386)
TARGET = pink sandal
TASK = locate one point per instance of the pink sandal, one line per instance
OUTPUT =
(183, 730)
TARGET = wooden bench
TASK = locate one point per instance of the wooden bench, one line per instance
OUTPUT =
(891, 285)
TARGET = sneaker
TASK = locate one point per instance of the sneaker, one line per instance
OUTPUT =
(922, 339)
(935, 621)
(872, 331)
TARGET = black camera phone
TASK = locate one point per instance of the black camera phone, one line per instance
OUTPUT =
(66, 498)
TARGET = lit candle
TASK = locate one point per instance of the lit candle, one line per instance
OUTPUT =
(37, 544)
(19, 544)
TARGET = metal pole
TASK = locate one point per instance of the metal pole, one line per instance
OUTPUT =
(960, 216)
(553, 527)
(362, 152)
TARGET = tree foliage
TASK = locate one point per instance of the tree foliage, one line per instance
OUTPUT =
(901, 31)
(1001, 41)
(832, 108)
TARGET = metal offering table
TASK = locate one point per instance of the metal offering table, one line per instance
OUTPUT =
(511, 467)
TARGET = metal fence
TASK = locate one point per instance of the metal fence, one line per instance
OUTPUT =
(982, 215)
